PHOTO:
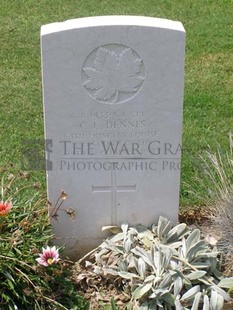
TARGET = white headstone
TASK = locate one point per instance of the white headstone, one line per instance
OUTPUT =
(113, 92)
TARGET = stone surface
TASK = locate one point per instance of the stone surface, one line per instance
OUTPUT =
(113, 92)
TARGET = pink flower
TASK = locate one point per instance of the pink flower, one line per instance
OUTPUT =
(5, 208)
(49, 256)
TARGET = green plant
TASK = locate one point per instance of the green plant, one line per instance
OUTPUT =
(163, 268)
(25, 229)
(111, 306)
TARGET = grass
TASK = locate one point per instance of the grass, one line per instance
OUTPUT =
(208, 108)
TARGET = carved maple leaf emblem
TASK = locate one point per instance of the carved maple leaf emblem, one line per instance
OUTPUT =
(113, 72)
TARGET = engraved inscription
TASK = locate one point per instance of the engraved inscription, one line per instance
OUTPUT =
(113, 73)
(114, 189)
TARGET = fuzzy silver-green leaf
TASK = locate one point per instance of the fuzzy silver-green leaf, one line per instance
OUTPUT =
(189, 295)
(226, 283)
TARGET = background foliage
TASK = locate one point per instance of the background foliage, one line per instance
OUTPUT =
(208, 109)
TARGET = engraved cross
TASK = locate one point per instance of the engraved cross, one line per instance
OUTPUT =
(113, 189)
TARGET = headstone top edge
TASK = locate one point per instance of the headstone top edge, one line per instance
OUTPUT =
(114, 20)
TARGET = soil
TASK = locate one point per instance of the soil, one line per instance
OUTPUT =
(99, 290)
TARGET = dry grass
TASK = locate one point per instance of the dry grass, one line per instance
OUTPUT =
(219, 175)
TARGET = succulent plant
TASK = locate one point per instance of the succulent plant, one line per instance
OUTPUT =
(165, 267)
